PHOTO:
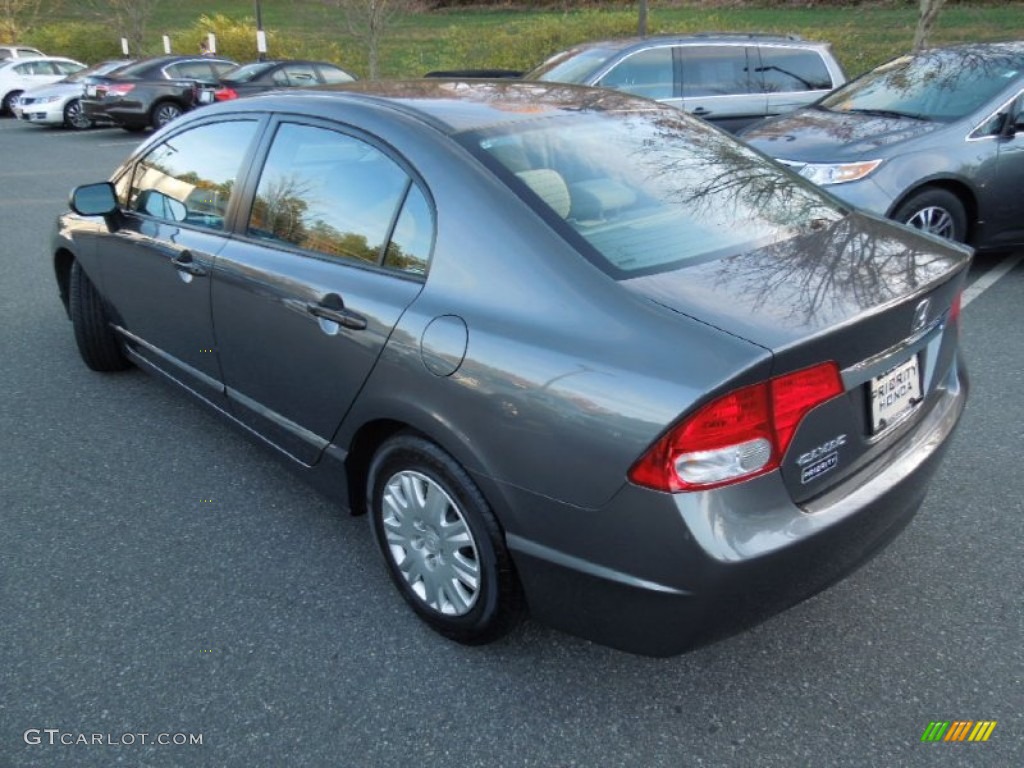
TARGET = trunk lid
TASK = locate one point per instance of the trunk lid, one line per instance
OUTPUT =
(874, 297)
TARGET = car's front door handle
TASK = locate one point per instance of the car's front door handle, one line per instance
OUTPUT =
(184, 262)
(333, 308)
(701, 112)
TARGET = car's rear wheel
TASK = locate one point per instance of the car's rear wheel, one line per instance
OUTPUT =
(96, 340)
(8, 102)
(74, 116)
(936, 211)
(443, 546)
(163, 113)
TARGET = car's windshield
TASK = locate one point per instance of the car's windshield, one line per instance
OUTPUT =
(247, 72)
(646, 192)
(934, 85)
(574, 67)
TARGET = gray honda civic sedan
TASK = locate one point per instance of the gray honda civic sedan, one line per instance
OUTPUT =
(934, 140)
(574, 353)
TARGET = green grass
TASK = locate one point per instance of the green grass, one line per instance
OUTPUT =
(861, 36)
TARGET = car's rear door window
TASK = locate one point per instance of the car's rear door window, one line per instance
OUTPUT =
(196, 70)
(339, 196)
(716, 70)
(188, 178)
(787, 70)
(296, 75)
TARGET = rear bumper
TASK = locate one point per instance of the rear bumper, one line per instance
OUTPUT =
(121, 113)
(659, 574)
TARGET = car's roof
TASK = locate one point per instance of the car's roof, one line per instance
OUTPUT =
(450, 106)
(24, 59)
(697, 38)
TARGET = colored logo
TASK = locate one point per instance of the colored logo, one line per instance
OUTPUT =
(958, 730)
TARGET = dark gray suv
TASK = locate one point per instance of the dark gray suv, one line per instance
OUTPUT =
(730, 80)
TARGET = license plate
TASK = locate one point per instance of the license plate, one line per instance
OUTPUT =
(206, 97)
(894, 393)
(90, 91)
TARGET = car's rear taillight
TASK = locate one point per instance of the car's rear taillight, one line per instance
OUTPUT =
(737, 436)
(119, 89)
(954, 310)
(225, 94)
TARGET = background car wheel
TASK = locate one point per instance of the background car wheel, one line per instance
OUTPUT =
(936, 211)
(97, 343)
(164, 113)
(74, 116)
(7, 108)
(443, 547)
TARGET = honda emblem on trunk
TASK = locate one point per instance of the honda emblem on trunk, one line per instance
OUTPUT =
(920, 315)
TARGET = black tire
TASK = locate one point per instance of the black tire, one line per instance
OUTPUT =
(934, 210)
(163, 113)
(97, 343)
(74, 116)
(7, 108)
(464, 537)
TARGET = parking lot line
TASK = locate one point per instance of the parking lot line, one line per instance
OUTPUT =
(990, 278)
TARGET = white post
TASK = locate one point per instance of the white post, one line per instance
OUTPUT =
(167, 44)
(212, 43)
(124, 45)
(261, 43)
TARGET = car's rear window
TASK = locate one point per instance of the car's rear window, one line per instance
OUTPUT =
(649, 191)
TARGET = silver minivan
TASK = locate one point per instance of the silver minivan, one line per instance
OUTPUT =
(731, 80)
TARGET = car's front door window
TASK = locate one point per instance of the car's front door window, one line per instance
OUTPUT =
(646, 73)
(189, 177)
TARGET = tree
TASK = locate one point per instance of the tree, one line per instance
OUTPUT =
(926, 20)
(16, 16)
(130, 19)
(368, 21)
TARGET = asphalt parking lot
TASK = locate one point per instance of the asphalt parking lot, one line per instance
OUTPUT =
(160, 574)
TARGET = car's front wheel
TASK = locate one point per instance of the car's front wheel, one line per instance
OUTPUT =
(443, 546)
(936, 211)
(7, 108)
(97, 343)
(165, 112)
(74, 116)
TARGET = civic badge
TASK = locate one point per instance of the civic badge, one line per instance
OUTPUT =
(920, 315)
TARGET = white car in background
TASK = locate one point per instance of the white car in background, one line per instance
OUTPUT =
(18, 52)
(18, 75)
(59, 103)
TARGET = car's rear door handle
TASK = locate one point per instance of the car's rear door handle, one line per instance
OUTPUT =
(184, 262)
(701, 111)
(332, 308)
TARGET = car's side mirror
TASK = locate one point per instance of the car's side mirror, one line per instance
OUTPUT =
(94, 199)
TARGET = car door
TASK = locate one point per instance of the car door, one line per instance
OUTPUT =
(32, 73)
(791, 77)
(650, 73)
(1007, 197)
(332, 250)
(156, 263)
(719, 84)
